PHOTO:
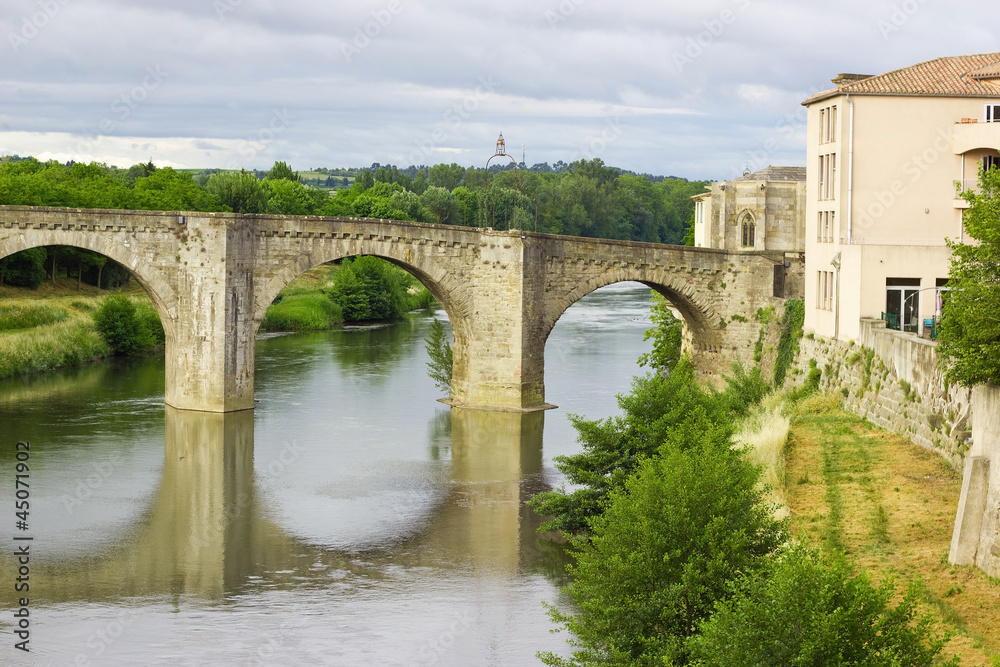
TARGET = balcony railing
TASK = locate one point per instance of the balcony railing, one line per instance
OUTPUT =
(967, 184)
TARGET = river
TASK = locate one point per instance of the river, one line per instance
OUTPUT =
(351, 519)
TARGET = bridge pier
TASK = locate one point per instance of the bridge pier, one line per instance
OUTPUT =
(210, 354)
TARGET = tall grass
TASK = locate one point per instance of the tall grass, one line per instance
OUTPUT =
(27, 315)
(765, 435)
(63, 344)
(308, 311)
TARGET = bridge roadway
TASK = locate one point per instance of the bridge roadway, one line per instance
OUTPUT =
(212, 276)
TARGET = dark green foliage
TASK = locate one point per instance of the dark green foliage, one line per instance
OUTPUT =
(658, 408)
(674, 538)
(667, 334)
(23, 269)
(812, 610)
(369, 288)
(281, 171)
(969, 337)
(441, 359)
(788, 342)
(128, 329)
(241, 192)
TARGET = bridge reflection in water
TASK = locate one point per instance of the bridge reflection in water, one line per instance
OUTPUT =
(210, 532)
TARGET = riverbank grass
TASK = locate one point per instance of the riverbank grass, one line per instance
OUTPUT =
(889, 505)
(51, 327)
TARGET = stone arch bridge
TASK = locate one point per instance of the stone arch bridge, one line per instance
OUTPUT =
(212, 276)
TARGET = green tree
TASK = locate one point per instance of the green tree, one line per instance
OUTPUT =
(168, 190)
(667, 334)
(443, 204)
(813, 610)
(441, 357)
(670, 545)
(369, 288)
(23, 269)
(969, 344)
(241, 192)
(281, 171)
(447, 176)
(657, 408)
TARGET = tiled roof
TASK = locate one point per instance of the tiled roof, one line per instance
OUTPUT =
(770, 173)
(953, 76)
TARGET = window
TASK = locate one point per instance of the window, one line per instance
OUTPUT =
(902, 304)
(824, 290)
(748, 231)
(827, 174)
(824, 226)
(991, 161)
(992, 113)
(827, 125)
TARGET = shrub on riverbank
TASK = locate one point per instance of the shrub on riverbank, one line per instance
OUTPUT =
(62, 344)
(129, 328)
(370, 288)
(673, 539)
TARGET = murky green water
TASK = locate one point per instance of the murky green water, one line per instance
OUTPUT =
(349, 520)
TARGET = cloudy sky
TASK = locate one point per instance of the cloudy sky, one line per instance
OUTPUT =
(693, 89)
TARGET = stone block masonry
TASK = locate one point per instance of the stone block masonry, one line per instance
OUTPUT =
(892, 379)
(212, 276)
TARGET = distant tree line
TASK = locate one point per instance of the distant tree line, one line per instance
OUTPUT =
(584, 198)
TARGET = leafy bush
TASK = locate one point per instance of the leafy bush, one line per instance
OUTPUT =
(657, 409)
(667, 335)
(369, 288)
(813, 610)
(672, 542)
(128, 328)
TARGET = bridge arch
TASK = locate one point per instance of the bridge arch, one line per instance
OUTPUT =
(160, 292)
(449, 291)
(700, 318)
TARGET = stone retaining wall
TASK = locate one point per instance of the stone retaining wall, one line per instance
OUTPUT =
(892, 380)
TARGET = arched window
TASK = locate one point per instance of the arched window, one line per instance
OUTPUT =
(749, 230)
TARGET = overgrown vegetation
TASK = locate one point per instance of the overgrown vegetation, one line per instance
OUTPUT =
(788, 342)
(667, 334)
(969, 337)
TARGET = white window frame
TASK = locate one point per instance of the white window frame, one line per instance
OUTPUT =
(992, 112)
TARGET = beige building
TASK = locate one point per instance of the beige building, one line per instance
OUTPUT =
(884, 156)
(764, 210)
